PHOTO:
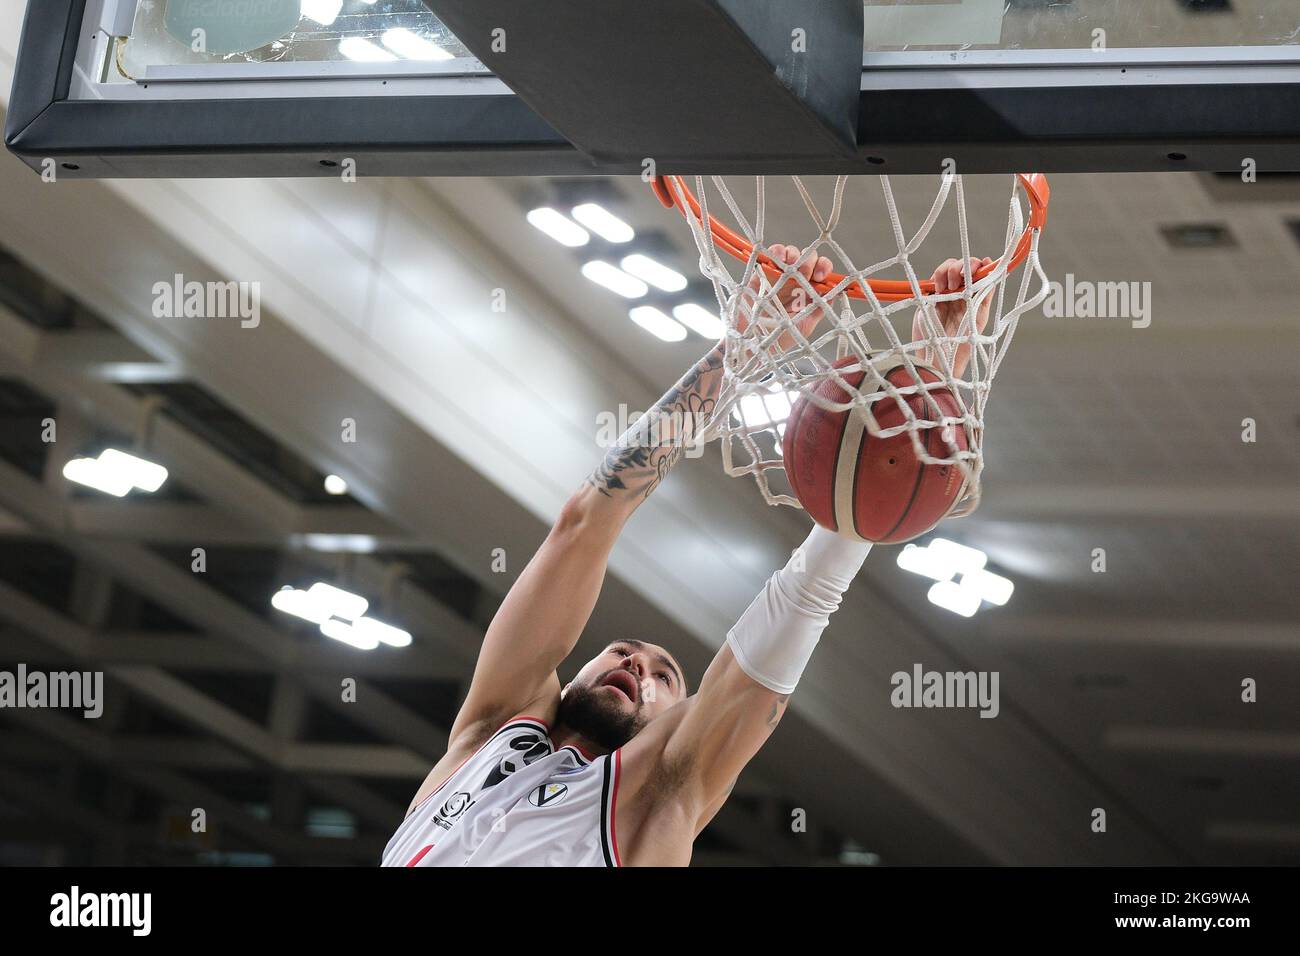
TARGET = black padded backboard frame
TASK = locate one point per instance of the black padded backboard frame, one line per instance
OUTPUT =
(1041, 121)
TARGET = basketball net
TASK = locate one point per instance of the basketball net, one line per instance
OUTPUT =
(768, 362)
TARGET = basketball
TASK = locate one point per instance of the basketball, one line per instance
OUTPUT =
(869, 488)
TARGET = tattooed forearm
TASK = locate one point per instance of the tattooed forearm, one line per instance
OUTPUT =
(778, 708)
(655, 443)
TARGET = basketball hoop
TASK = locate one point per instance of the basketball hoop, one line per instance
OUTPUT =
(770, 363)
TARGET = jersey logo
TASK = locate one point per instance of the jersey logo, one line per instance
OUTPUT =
(456, 805)
(548, 793)
(525, 749)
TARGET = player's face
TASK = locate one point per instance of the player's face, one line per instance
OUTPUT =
(620, 691)
(657, 679)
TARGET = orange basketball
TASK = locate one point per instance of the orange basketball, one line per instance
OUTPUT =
(869, 488)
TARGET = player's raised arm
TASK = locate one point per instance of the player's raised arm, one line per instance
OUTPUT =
(685, 764)
(542, 617)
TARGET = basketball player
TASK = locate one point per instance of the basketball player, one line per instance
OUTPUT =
(622, 765)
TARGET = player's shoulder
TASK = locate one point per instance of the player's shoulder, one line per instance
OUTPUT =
(651, 771)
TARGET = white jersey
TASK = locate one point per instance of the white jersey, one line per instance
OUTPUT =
(516, 802)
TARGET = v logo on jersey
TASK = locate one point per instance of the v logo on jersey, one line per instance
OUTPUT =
(548, 793)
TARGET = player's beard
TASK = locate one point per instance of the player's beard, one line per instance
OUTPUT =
(584, 710)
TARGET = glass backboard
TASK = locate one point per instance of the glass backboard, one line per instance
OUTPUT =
(1190, 28)
(323, 37)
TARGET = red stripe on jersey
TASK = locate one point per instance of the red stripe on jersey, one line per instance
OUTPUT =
(419, 856)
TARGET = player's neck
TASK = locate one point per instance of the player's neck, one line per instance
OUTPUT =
(563, 736)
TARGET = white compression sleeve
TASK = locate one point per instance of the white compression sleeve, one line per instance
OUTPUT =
(775, 637)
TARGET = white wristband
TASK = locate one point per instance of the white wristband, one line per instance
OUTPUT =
(774, 638)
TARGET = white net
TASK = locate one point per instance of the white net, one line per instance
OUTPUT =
(787, 334)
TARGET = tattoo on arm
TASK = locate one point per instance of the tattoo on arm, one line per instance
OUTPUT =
(655, 443)
(778, 708)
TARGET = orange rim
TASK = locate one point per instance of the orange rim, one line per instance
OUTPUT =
(667, 188)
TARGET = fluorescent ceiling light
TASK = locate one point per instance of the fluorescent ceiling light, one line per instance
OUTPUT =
(657, 324)
(349, 543)
(345, 632)
(655, 273)
(337, 602)
(88, 472)
(991, 587)
(116, 473)
(603, 223)
(699, 320)
(335, 485)
(761, 409)
(953, 597)
(144, 475)
(962, 558)
(559, 227)
(299, 604)
(615, 279)
(923, 561)
(355, 48)
(412, 46)
(323, 12)
(368, 627)
(944, 561)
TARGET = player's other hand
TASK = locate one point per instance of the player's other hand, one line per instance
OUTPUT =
(951, 277)
(793, 297)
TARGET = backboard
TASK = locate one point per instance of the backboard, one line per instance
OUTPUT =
(108, 88)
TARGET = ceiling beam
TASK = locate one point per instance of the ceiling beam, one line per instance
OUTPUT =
(190, 598)
(1254, 833)
(1046, 630)
(1055, 502)
(1204, 741)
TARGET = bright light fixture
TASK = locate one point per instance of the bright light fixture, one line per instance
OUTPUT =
(559, 227)
(335, 485)
(700, 320)
(761, 409)
(345, 632)
(351, 543)
(412, 46)
(116, 473)
(962, 558)
(657, 323)
(615, 279)
(355, 48)
(87, 471)
(603, 223)
(368, 627)
(962, 581)
(299, 604)
(925, 562)
(323, 12)
(993, 588)
(653, 272)
(338, 602)
(951, 596)
(144, 475)
(339, 615)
